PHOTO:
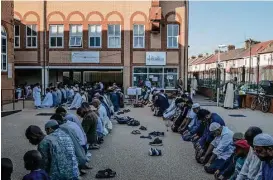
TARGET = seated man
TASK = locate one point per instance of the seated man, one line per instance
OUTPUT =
(222, 147)
(190, 118)
(236, 162)
(207, 137)
(48, 100)
(77, 101)
(192, 124)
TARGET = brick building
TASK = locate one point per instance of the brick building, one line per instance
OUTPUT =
(121, 41)
(7, 53)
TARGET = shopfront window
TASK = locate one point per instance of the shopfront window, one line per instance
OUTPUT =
(160, 77)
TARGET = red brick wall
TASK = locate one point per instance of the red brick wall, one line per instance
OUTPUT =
(7, 84)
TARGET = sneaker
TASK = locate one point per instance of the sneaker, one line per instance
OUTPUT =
(156, 133)
(154, 152)
(148, 137)
(143, 128)
(156, 142)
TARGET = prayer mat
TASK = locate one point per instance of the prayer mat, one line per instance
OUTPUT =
(237, 115)
(44, 114)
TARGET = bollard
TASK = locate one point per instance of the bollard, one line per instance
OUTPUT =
(218, 93)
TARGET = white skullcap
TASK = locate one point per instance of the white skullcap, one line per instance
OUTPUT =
(214, 126)
(263, 140)
(195, 105)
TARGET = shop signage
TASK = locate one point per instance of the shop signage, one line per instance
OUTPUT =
(156, 58)
(85, 57)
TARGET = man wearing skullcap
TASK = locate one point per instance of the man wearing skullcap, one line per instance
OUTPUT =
(263, 146)
(222, 147)
(57, 151)
(251, 169)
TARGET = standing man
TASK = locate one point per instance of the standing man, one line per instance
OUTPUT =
(194, 86)
(37, 96)
(229, 89)
(263, 146)
(180, 84)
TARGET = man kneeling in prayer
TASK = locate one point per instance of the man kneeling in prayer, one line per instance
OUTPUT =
(222, 147)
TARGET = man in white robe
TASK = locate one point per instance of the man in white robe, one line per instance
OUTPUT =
(229, 98)
(77, 101)
(194, 86)
(37, 96)
(48, 100)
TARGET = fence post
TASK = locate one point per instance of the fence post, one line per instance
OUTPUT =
(24, 99)
(1, 100)
(13, 100)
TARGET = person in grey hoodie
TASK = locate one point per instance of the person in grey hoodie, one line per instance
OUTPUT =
(251, 169)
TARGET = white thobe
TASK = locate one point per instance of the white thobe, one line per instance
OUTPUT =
(37, 96)
(77, 101)
(229, 98)
(48, 100)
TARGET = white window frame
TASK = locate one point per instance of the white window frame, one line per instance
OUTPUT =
(94, 36)
(58, 34)
(17, 36)
(138, 35)
(113, 36)
(31, 36)
(2, 53)
(78, 35)
(172, 36)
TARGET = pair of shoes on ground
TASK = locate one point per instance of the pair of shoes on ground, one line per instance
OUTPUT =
(136, 132)
(107, 173)
(148, 137)
(155, 152)
(156, 142)
(133, 122)
(138, 105)
(143, 128)
(123, 120)
(156, 133)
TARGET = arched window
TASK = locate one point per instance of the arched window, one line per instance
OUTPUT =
(4, 59)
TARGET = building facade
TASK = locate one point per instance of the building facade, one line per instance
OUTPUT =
(108, 41)
(7, 52)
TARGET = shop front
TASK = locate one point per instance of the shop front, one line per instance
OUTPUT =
(156, 70)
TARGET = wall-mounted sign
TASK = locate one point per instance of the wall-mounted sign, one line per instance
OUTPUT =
(85, 57)
(155, 58)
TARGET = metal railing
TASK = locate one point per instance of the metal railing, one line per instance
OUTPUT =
(12, 100)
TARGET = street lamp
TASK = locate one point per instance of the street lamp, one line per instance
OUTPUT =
(218, 70)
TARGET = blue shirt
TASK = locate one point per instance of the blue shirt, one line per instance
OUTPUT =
(37, 175)
(207, 135)
(223, 144)
(267, 171)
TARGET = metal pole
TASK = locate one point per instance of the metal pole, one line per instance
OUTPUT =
(258, 73)
(250, 41)
(217, 78)
(13, 102)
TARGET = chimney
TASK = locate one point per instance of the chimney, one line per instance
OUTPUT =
(200, 55)
(231, 47)
(216, 51)
(193, 57)
(155, 3)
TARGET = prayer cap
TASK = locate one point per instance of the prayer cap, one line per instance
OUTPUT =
(238, 135)
(263, 140)
(33, 130)
(51, 123)
(242, 144)
(195, 105)
(214, 126)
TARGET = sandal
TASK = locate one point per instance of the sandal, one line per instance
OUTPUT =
(143, 128)
(133, 123)
(136, 132)
(107, 173)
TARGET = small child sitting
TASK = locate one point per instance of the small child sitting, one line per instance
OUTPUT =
(33, 162)
(6, 169)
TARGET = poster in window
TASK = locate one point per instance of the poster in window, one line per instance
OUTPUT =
(151, 76)
(170, 77)
(134, 78)
(155, 79)
(10, 70)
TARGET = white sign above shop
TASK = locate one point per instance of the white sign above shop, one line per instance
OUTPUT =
(85, 57)
(155, 58)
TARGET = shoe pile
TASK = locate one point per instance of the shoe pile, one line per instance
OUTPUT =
(156, 133)
(133, 122)
(155, 152)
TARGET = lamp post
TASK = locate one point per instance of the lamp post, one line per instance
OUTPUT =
(218, 70)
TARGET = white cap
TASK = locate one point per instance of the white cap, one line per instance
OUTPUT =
(195, 105)
(214, 126)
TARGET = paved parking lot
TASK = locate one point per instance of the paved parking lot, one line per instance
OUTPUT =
(125, 153)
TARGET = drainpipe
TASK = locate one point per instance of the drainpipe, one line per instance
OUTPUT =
(45, 44)
(186, 47)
